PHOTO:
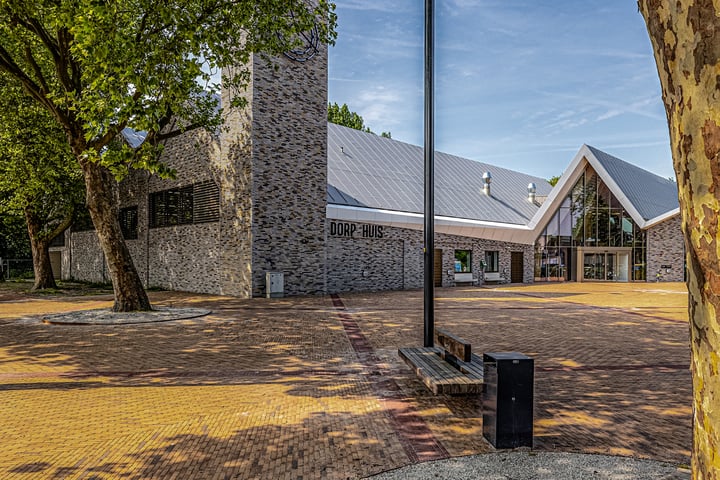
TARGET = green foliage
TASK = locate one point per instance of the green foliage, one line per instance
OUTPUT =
(38, 174)
(99, 67)
(14, 242)
(554, 180)
(341, 115)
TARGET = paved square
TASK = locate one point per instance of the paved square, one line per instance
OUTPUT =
(313, 387)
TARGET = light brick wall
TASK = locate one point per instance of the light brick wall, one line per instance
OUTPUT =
(666, 246)
(358, 262)
(270, 163)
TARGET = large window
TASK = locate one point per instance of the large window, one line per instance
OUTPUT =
(197, 203)
(129, 223)
(590, 216)
(492, 261)
(462, 261)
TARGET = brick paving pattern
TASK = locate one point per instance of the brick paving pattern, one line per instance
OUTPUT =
(305, 388)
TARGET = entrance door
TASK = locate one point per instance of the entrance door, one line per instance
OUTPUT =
(437, 267)
(610, 267)
(516, 267)
(623, 267)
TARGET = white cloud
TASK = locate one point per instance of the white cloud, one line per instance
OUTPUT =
(376, 5)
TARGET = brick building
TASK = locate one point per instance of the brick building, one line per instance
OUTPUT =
(334, 209)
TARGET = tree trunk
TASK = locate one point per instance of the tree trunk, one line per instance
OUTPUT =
(100, 187)
(685, 36)
(40, 254)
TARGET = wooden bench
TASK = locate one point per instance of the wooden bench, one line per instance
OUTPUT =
(450, 368)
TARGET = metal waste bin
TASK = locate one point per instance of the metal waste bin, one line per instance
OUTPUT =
(508, 399)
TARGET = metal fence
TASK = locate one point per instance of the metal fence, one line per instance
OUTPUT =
(16, 268)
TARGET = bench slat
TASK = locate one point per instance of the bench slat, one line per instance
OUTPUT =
(455, 345)
(438, 375)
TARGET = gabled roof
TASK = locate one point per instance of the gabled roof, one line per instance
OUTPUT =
(369, 171)
(651, 195)
(648, 198)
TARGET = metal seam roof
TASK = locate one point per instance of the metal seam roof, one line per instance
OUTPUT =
(382, 173)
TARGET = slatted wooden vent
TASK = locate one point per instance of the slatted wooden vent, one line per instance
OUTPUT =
(206, 196)
(197, 203)
(171, 207)
(129, 223)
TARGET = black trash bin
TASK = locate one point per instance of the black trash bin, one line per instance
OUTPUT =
(508, 399)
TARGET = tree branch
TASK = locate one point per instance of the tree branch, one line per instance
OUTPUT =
(36, 69)
(8, 64)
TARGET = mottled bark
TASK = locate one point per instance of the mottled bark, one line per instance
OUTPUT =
(40, 238)
(101, 200)
(40, 254)
(685, 36)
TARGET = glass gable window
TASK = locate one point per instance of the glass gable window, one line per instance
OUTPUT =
(462, 261)
(591, 218)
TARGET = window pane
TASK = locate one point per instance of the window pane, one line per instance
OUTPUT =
(462, 261)
(492, 261)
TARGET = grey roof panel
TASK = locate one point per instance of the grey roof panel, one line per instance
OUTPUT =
(650, 194)
(382, 173)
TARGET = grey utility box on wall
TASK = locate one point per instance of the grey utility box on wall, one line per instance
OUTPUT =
(274, 284)
(508, 399)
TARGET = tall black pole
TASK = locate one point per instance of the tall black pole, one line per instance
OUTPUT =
(429, 294)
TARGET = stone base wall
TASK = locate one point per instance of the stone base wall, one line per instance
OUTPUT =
(85, 259)
(666, 248)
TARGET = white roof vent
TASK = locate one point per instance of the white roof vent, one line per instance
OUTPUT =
(487, 178)
(532, 188)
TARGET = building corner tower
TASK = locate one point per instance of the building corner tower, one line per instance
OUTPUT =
(275, 155)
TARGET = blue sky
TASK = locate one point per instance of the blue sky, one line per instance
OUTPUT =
(518, 84)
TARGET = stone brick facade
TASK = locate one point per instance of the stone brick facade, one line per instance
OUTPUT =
(666, 247)
(364, 257)
(289, 173)
(270, 165)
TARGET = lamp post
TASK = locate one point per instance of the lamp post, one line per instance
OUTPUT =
(429, 217)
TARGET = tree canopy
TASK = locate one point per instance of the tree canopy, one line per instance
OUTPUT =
(100, 67)
(40, 180)
(341, 115)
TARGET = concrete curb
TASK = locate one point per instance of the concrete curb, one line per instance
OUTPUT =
(538, 465)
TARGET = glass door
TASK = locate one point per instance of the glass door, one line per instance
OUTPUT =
(623, 267)
(609, 267)
(594, 266)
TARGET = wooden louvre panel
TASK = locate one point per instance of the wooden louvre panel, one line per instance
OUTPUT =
(206, 202)
(171, 207)
(129, 222)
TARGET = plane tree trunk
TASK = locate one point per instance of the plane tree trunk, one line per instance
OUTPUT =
(40, 238)
(40, 248)
(101, 189)
(685, 35)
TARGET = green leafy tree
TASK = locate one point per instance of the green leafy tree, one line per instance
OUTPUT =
(554, 180)
(341, 115)
(39, 178)
(100, 66)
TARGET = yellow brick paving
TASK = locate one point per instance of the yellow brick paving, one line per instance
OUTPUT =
(273, 389)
